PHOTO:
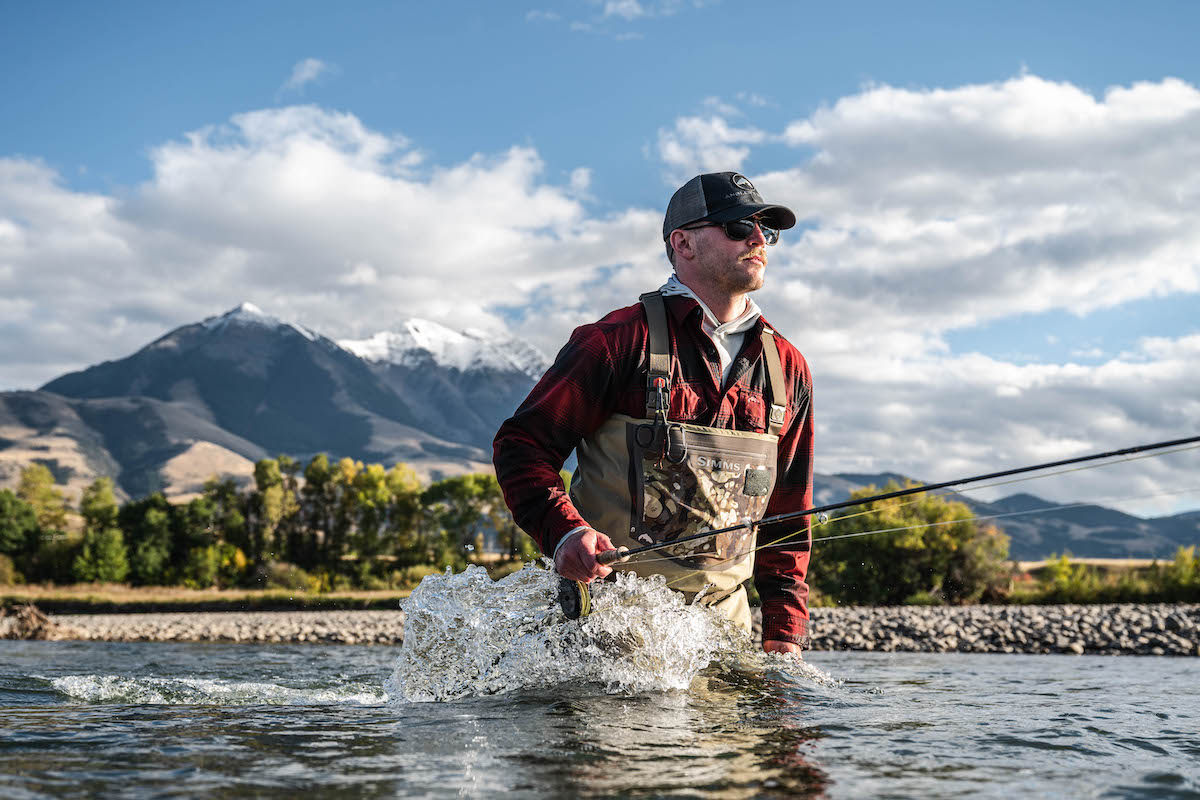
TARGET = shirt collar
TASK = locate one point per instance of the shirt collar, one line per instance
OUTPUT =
(747, 320)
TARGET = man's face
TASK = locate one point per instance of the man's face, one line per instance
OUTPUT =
(731, 266)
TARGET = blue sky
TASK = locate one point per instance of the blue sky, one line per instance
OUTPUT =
(1049, 254)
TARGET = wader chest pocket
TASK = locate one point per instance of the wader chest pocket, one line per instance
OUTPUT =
(758, 482)
(723, 480)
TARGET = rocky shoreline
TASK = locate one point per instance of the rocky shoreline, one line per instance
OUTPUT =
(1127, 629)
(1157, 629)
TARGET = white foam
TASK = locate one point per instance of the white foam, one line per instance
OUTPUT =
(204, 691)
(466, 635)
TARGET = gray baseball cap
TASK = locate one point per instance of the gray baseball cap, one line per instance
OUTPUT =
(721, 197)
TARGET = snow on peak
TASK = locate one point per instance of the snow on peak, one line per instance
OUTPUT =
(418, 340)
(250, 314)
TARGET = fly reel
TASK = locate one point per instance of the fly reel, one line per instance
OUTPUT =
(575, 598)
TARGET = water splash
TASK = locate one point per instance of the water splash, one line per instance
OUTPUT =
(202, 691)
(467, 635)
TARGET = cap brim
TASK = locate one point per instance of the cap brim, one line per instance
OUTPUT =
(778, 217)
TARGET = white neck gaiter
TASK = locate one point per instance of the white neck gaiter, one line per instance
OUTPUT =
(726, 336)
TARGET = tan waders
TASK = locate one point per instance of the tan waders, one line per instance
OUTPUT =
(647, 481)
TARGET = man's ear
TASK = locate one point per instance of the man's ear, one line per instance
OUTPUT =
(681, 242)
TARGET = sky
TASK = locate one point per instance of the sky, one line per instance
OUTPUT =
(996, 262)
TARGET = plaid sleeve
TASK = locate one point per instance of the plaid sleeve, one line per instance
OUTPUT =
(572, 400)
(780, 571)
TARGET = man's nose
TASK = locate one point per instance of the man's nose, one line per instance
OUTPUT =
(757, 239)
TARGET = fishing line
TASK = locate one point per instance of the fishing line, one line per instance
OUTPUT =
(943, 522)
(583, 598)
(574, 596)
(921, 489)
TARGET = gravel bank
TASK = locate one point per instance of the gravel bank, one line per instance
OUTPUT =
(1162, 629)
(337, 627)
(1151, 629)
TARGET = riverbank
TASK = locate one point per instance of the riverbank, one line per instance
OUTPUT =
(1159, 629)
(1119, 629)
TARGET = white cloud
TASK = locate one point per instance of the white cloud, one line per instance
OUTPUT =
(625, 9)
(304, 73)
(700, 144)
(314, 217)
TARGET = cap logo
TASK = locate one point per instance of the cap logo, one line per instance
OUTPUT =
(742, 182)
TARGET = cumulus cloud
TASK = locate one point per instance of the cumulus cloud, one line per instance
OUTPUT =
(304, 73)
(312, 216)
(705, 144)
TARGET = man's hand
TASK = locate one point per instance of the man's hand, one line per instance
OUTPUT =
(576, 559)
(776, 646)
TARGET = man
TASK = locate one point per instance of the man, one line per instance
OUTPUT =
(688, 413)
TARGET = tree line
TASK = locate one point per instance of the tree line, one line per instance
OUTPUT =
(317, 526)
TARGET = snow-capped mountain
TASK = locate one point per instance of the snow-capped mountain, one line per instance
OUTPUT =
(250, 314)
(419, 341)
(246, 384)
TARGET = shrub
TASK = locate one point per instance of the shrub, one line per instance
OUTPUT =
(282, 575)
(921, 545)
(8, 573)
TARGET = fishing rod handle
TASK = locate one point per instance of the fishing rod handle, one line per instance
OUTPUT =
(611, 556)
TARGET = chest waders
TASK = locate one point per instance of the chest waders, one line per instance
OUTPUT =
(651, 480)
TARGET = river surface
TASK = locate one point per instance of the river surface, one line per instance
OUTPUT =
(585, 711)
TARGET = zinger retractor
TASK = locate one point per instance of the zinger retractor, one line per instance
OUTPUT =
(575, 598)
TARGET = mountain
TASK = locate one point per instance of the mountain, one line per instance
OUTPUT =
(238, 387)
(1045, 527)
(461, 386)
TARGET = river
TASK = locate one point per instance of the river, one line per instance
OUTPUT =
(142, 719)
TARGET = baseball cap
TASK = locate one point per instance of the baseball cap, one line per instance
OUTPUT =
(721, 197)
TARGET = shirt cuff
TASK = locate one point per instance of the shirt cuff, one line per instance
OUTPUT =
(567, 535)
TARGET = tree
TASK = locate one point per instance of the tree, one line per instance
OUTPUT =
(37, 488)
(229, 520)
(270, 504)
(102, 557)
(318, 499)
(18, 526)
(98, 505)
(102, 554)
(148, 525)
(937, 551)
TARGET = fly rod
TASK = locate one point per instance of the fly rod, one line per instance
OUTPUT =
(610, 556)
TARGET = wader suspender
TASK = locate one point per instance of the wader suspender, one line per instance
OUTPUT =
(658, 376)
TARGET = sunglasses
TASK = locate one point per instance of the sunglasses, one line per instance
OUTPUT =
(740, 229)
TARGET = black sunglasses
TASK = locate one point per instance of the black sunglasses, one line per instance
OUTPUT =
(740, 229)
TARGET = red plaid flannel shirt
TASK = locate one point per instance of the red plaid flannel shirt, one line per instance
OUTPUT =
(602, 371)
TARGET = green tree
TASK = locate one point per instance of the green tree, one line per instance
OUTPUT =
(18, 526)
(37, 488)
(345, 513)
(460, 509)
(932, 548)
(228, 516)
(318, 501)
(147, 523)
(270, 504)
(98, 505)
(102, 554)
(101, 557)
